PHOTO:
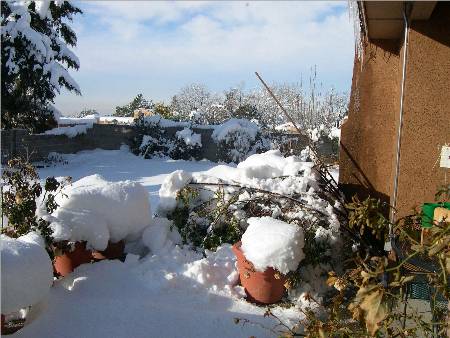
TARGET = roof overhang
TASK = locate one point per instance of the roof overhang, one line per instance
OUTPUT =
(384, 19)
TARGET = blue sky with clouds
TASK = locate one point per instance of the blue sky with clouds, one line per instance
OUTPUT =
(155, 48)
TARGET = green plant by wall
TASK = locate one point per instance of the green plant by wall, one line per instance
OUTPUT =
(21, 193)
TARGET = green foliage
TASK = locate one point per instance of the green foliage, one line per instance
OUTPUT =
(27, 91)
(20, 193)
(209, 224)
(137, 103)
(368, 217)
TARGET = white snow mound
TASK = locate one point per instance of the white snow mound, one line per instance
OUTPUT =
(169, 188)
(27, 272)
(271, 164)
(98, 211)
(161, 236)
(269, 242)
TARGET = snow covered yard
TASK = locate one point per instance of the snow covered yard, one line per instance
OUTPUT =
(171, 292)
(121, 165)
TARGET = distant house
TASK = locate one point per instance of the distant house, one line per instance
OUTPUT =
(143, 112)
(399, 113)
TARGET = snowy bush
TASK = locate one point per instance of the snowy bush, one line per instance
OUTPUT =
(237, 139)
(22, 198)
(151, 139)
(209, 211)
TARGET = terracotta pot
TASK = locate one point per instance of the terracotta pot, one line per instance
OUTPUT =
(112, 251)
(66, 263)
(261, 287)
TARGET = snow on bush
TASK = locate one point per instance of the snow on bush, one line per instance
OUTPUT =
(268, 242)
(27, 272)
(189, 137)
(152, 140)
(237, 139)
(70, 131)
(98, 211)
(170, 187)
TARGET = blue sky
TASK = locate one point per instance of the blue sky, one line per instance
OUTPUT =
(155, 48)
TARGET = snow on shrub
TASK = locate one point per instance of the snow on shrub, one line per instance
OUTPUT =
(189, 137)
(214, 207)
(98, 211)
(172, 184)
(237, 139)
(269, 242)
(27, 272)
(152, 140)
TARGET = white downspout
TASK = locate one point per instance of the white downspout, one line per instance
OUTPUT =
(400, 124)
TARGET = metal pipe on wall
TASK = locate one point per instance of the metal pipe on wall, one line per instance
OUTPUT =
(406, 10)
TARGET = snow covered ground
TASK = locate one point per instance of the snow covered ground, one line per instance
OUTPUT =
(174, 293)
(121, 165)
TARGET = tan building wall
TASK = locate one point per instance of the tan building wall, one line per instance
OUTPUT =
(368, 138)
(366, 154)
(426, 110)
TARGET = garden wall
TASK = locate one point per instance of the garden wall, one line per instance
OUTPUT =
(37, 147)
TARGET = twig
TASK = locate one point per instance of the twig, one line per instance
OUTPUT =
(262, 191)
(310, 142)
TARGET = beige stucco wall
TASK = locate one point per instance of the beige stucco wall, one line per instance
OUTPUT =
(426, 117)
(366, 153)
(368, 138)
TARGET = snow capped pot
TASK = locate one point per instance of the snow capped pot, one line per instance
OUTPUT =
(269, 249)
(101, 212)
(261, 287)
(112, 251)
(69, 257)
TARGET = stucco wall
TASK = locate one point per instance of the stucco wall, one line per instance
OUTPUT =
(366, 153)
(368, 138)
(426, 110)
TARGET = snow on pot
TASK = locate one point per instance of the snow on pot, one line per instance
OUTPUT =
(100, 212)
(26, 272)
(269, 249)
(69, 256)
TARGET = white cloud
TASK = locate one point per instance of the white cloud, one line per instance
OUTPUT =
(144, 44)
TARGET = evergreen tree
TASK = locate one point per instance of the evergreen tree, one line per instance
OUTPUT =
(137, 103)
(36, 57)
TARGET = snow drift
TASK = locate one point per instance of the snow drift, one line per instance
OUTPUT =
(27, 272)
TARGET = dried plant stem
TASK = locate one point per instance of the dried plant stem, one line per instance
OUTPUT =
(310, 143)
